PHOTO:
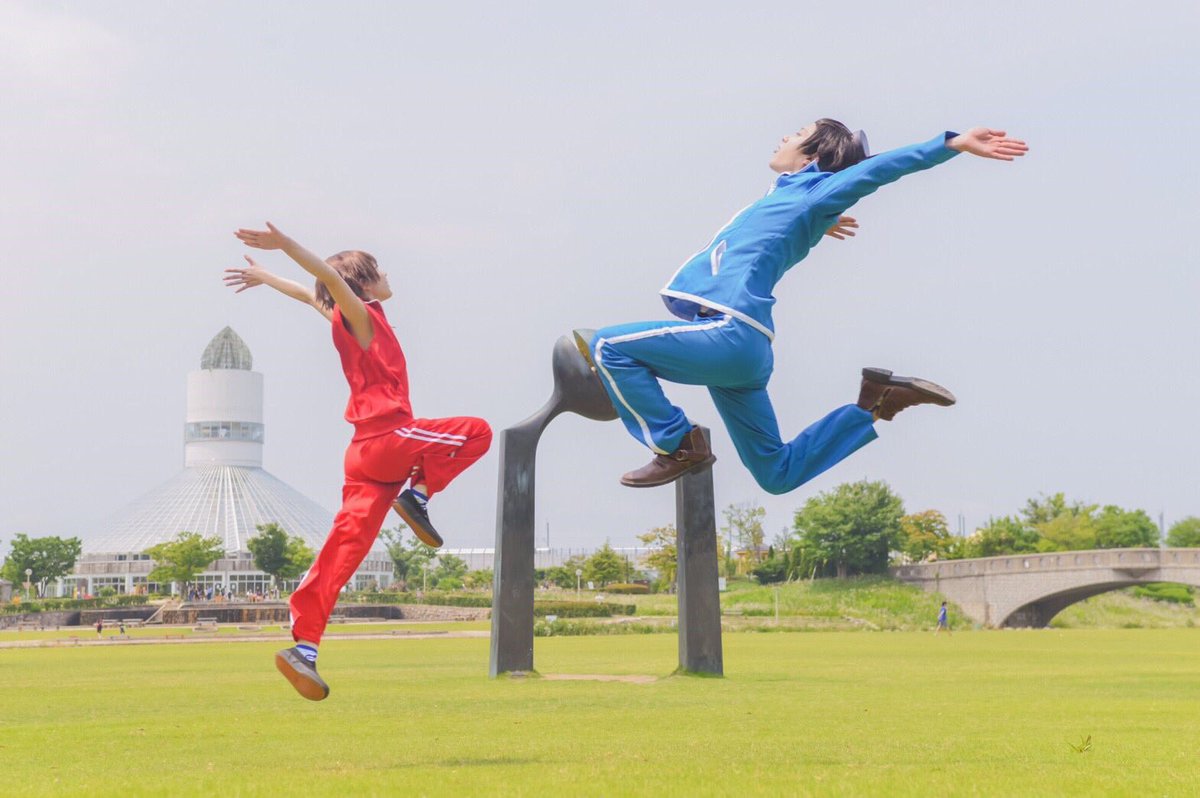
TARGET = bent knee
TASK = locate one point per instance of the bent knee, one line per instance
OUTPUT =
(772, 481)
(480, 434)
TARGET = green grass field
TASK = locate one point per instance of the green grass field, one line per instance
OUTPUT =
(841, 713)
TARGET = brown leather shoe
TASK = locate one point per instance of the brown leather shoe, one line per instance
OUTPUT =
(693, 453)
(885, 394)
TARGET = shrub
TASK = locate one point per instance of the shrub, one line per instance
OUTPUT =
(627, 589)
(773, 570)
(53, 604)
(582, 609)
(430, 597)
(1166, 591)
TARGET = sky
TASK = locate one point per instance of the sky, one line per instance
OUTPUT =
(524, 168)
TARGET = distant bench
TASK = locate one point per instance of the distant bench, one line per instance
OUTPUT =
(205, 625)
(133, 622)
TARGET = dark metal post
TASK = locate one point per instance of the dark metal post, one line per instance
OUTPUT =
(699, 594)
(512, 599)
(577, 389)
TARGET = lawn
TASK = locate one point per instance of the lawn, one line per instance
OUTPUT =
(840, 713)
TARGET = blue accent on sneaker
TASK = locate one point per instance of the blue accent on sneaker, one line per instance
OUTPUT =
(308, 652)
(419, 496)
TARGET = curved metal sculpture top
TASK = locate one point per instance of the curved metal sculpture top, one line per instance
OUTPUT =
(577, 388)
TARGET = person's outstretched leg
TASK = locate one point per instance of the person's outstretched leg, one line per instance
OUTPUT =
(630, 359)
(780, 467)
(364, 506)
(428, 453)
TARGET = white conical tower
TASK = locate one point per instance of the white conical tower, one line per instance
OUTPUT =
(222, 491)
(224, 422)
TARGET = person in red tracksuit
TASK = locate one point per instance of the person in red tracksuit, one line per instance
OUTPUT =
(390, 448)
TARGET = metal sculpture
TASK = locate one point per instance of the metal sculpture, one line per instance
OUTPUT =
(577, 389)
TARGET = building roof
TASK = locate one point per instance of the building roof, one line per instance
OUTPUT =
(226, 501)
(227, 351)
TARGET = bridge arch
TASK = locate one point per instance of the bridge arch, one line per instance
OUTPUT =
(1030, 589)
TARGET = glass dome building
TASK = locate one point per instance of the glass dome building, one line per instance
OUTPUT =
(222, 491)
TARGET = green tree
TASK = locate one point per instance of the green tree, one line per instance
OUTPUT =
(1125, 529)
(662, 556)
(409, 555)
(744, 525)
(1184, 533)
(999, 536)
(925, 533)
(277, 554)
(480, 579)
(48, 558)
(1067, 532)
(604, 566)
(851, 528)
(449, 573)
(1048, 508)
(564, 575)
(181, 559)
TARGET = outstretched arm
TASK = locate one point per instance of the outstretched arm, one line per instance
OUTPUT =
(352, 308)
(255, 275)
(842, 189)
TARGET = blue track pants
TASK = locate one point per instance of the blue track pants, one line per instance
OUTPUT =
(735, 361)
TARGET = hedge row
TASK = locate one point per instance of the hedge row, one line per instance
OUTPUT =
(53, 604)
(582, 609)
(564, 609)
(627, 589)
(430, 597)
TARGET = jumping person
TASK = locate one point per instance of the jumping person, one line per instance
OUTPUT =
(389, 449)
(724, 296)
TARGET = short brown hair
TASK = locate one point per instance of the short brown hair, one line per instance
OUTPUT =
(359, 269)
(833, 146)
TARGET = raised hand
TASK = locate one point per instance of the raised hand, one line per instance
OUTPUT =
(844, 228)
(988, 143)
(244, 278)
(270, 238)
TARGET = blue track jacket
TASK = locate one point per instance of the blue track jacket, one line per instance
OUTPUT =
(737, 272)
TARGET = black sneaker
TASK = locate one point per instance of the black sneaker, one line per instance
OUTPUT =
(301, 673)
(413, 511)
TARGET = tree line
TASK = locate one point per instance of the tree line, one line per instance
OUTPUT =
(179, 560)
(861, 527)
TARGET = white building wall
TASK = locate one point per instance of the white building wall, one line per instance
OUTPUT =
(231, 395)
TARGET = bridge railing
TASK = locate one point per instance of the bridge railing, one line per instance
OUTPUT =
(1050, 561)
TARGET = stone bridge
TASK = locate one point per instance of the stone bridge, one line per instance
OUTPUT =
(1030, 589)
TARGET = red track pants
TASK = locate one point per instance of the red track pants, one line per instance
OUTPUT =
(432, 451)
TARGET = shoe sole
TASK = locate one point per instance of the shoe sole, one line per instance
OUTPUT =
(305, 686)
(712, 458)
(936, 393)
(426, 536)
(585, 348)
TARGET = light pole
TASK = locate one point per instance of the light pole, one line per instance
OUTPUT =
(28, 574)
(578, 574)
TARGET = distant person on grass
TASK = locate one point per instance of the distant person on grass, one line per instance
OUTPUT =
(389, 449)
(723, 296)
(943, 621)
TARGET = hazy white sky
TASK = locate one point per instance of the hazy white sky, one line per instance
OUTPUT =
(524, 168)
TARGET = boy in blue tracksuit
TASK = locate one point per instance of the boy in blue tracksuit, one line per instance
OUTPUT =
(723, 294)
